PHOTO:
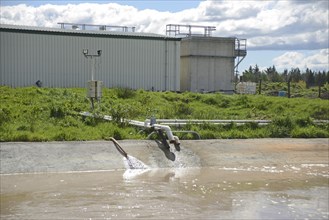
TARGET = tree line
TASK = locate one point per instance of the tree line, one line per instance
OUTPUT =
(270, 74)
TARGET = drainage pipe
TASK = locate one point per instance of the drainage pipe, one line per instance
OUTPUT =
(183, 122)
(172, 139)
(146, 124)
(216, 121)
(119, 148)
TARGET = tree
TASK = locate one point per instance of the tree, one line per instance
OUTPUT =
(273, 75)
(253, 74)
(320, 78)
(309, 78)
(285, 76)
(247, 75)
(257, 73)
(296, 76)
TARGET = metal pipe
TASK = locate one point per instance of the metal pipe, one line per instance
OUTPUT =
(168, 122)
(181, 124)
(198, 121)
(146, 124)
(119, 148)
(167, 129)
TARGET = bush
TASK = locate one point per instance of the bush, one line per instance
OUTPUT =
(210, 100)
(320, 112)
(224, 103)
(303, 122)
(117, 134)
(4, 115)
(310, 132)
(281, 127)
(243, 101)
(38, 114)
(125, 93)
(182, 110)
(120, 112)
(56, 112)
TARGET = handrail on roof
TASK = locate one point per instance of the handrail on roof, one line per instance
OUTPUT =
(77, 26)
(180, 29)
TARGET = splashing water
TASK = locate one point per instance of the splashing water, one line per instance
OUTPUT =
(133, 163)
(134, 167)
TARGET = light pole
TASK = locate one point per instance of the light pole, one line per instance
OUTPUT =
(94, 86)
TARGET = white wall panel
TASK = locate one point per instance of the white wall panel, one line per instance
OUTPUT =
(207, 64)
(57, 60)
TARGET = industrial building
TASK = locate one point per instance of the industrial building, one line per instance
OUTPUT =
(55, 57)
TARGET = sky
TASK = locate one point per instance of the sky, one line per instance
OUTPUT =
(284, 33)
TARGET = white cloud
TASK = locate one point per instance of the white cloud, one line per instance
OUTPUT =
(268, 25)
(318, 60)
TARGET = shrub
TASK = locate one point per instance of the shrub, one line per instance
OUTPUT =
(303, 122)
(39, 114)
(320, 112)
(210, 100)
(224, 102)
(125, 93)
(281, 127)
(120, 112)
(117, 134)
(56, 111)
(309, 132)
(4, 115)
(183, 109)
(243, 101)
(207, 134)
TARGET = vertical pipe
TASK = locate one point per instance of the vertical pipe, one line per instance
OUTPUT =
(166, 64)
(92, 68)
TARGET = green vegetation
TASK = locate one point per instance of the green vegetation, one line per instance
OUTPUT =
(270, 74)
(52, 114)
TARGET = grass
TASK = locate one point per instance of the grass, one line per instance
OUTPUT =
(52, 114)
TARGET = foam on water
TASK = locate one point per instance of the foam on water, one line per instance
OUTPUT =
(133, 163)
(180, 167)
(134, 167)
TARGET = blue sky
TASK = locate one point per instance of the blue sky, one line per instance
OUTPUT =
(287, 34)
(163, 5)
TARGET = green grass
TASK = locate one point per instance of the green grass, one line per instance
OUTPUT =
(52, 114)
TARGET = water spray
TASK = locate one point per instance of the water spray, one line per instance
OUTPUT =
(132, 162)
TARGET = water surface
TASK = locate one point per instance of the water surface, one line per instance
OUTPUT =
(189, 193)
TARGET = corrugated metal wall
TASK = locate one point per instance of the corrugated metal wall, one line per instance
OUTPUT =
(57, 60)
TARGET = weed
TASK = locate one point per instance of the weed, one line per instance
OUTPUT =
(4, 115)
(281, 127)
(47, 114)
(243, 100)
(125, 93)
(56, 111)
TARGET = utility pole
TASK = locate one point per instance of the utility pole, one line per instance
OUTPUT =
(94, 86)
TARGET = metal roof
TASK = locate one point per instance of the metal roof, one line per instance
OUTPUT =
(96, 33)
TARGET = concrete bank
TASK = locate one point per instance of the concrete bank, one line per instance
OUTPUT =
(31, 157)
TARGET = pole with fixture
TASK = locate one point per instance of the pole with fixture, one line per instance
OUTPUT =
(94, 86)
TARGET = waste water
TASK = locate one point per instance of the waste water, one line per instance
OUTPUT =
(153, 187)
(134, 167)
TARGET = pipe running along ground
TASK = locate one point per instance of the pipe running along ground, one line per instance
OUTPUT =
(119, 148)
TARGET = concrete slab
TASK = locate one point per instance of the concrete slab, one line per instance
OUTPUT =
(31, 157)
